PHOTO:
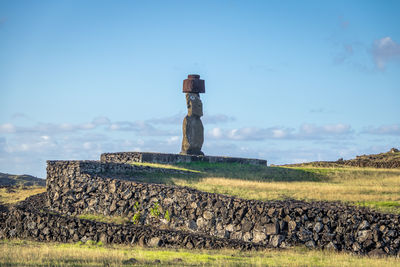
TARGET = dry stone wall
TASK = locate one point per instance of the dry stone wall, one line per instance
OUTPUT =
(125, 157)
(93, 187)
(27, 221)
(392, 164)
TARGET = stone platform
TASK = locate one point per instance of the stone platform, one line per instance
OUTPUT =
(151, 157)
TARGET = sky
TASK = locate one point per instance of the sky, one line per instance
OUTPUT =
(286, 81)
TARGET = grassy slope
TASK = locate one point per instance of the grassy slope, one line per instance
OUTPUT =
(17, 180)
(375, 188)
(22, 252)
(389, 159)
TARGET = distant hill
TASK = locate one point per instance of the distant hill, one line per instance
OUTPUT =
(26, 180)
(388, 160)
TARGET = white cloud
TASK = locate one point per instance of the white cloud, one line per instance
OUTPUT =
(174, 119)
(249, 133)
(3, 143)
(217, 119)
(314, 131)
(45, 137)
(45, 128)
(385, 50)
(306, 131)
(393, 129)
(321, 110)
(216, 133)
(87, 145)
(7, 128)
(20, 115)
(141, 127)
(173, 140)
(177, 119)
(102, 120)
(278, 133)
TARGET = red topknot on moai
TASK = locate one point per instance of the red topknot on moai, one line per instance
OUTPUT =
(193, 131)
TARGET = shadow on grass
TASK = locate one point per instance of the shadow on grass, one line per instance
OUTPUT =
(227, 170)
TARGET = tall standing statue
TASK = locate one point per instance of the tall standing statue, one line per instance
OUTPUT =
(193, 131)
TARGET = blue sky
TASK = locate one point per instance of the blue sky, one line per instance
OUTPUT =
(286, 81)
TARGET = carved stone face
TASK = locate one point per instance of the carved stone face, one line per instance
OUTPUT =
(194, 105)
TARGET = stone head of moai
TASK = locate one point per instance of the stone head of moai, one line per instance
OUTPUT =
(193, 131)
(194, 104)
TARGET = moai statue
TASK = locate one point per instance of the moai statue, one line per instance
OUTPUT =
(193, 131)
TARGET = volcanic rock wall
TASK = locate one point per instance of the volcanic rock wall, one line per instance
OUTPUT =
(94, 187)
(31, 220)
(126, 157)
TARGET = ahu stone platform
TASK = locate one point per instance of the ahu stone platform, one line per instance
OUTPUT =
(174, 216)
(109, 188)
(151, 157)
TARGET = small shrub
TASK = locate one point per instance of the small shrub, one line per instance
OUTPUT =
(136, 206)
(154, 211)
(166, 216)
(136, 217)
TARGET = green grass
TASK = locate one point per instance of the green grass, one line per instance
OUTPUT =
(252, 172)
(103, 218)
(28, 253)
(378, 189)
(162, 166)
(388, 206)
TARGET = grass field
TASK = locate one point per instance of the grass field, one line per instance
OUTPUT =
(18, 194)
(378, 189)
(374, 188)
(22, 252)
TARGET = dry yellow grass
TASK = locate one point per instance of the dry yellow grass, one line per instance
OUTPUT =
(21, 252)
(19, 194)
(162, 166)
(377, 188)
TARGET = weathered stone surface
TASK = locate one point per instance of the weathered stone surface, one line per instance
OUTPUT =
(207, 215)
(310, 244)
(193, 136)
(331, 246)
(363, 235)
(194, 105)
(276, 240)
(304, 235)
(364, 225)
(193, 84)
(14, 222)
(127, 157)
(193, 130)
(292, 225)
(356, 247)
(377, 253)
(259, 237)
(272, 228)
(154, 242)
(318, 227)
